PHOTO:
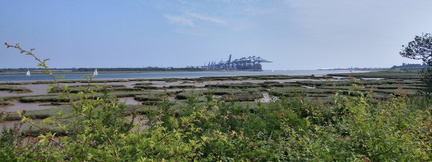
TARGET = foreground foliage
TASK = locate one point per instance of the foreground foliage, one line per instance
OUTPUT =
(354, 126)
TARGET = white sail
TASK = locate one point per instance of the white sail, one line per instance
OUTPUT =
(95, 72)
(28, 73)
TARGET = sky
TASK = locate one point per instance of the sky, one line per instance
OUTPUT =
(293, 34)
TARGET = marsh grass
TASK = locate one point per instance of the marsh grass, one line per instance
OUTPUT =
(234, 85)
(182, 87)
(145, 87)
(240, 92)
(187, 94)
(94, 87)
(14, 89)
(42, 98)
(14, 83)
(3, 102)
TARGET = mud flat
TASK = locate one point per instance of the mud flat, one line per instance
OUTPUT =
(15, 106)
(269, 87)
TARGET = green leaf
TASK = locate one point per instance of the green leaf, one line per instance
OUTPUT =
(45, 72)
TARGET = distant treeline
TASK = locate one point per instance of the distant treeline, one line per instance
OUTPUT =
(146, 69)
(405, 66)
(356, 68)
(23, 69)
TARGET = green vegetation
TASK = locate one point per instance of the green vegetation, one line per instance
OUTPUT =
(155, 97)
(3, 102)
(145, 86)
(213, 125)
(79, 88)
(43, 98)
(354, 126)
(14, 89)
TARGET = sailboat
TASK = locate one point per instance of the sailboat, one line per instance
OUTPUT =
(95, 72)
(28, 73)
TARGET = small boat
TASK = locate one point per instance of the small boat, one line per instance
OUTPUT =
(28, 73)
(95, 72)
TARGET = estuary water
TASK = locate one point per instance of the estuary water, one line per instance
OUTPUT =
(153, 75)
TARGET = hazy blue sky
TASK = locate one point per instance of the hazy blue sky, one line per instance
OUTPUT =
(294, 34)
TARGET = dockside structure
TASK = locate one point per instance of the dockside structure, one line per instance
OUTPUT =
(251, 63)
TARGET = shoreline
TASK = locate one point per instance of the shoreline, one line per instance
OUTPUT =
(111, 72)
(130, 75)
(91, 72)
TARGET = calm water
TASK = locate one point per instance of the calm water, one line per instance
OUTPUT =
(108, 76)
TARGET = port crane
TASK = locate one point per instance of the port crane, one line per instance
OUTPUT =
(251, 63)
